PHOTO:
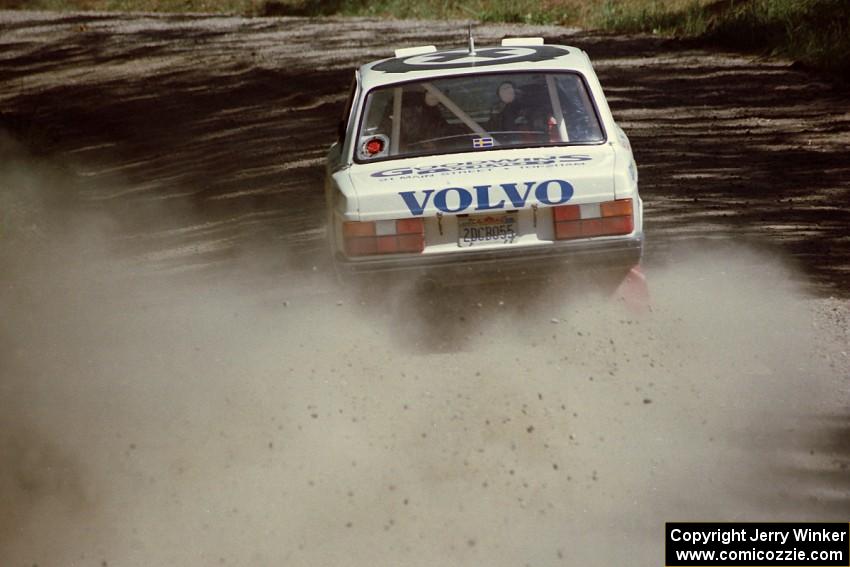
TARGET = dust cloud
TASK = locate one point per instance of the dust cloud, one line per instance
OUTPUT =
(238, 420)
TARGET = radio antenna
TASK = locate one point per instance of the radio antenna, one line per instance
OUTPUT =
(471, 41)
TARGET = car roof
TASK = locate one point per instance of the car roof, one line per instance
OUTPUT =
(430, 63)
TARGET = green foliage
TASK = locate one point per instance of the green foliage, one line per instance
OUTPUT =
(653, 17)
(814, 31)
(246, 7)
(511, 11)
(523, 11)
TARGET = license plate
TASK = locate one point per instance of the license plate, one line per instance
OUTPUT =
(486, 229)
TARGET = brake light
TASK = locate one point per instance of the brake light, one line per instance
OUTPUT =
(354, 229)
(618, 208)
(566, 213)
(593, 219)
(384, 237)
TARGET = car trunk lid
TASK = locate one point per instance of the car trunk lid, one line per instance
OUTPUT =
(483, 182)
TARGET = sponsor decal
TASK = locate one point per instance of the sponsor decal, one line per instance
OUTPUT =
(461, 58)
(488, 197)
(482, 143)
(483, 165)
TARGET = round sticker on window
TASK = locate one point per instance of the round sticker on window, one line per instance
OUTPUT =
(373, 146)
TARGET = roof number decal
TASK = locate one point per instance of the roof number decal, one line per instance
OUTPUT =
(461, 58)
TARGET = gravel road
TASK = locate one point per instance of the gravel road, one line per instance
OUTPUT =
(183, 383)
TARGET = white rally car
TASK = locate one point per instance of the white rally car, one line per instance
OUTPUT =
(489, 157)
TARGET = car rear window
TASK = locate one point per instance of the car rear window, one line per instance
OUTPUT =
(477, 112)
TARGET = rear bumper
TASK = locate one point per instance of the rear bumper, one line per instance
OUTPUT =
(608, 254)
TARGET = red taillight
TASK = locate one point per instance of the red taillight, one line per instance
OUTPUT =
(596, 219)
(411, 243)
(566, 230)
(618, 208)
(387, 244)
(618, 225)
(591, 227)
(566, 213)
(410, 226)
(351, 229)
(361, 246)
(391, 237)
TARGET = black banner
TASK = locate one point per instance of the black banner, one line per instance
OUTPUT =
(769, 544)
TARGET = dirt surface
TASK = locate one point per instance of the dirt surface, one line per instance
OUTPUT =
(184, 383)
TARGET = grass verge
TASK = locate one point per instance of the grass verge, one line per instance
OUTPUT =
(815, 32)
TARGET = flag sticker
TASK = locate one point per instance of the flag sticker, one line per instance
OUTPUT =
(482, 143)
